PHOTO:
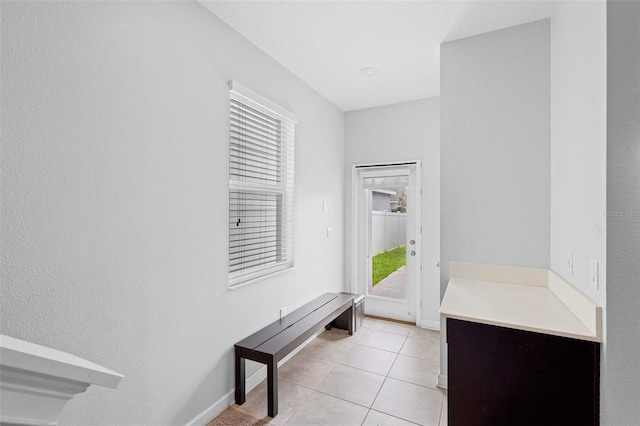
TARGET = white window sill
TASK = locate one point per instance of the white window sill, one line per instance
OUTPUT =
(260, 278)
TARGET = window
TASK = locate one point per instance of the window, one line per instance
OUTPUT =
(261, 148)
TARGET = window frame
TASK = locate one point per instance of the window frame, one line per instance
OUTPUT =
(261, 194)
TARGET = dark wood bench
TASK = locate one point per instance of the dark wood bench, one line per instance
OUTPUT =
(280, 338)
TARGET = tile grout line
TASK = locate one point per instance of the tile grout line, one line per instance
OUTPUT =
(386, 376)
(308, 396)
(441, 408)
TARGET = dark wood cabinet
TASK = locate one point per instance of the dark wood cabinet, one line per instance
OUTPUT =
(503, 376)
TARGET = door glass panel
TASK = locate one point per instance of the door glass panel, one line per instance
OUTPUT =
(387, 239)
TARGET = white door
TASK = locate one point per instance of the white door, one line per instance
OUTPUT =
(383, 272)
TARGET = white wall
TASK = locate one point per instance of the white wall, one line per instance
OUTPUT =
(578, 142)
(114, 198)
(495, 172)
(403, 132)
(494, 99)
(621, 367)
(579, 145)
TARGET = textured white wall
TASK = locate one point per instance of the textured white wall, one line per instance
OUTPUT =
(495, 172)
(578, 142)
(621, 367)
(114, 198)
(402, 132)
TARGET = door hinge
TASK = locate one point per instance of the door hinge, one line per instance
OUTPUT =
(421, 268)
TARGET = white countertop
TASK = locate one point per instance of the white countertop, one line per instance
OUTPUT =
(532, 307)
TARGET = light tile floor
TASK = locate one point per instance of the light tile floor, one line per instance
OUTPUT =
(385, 374)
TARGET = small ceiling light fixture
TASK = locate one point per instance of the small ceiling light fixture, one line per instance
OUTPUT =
(368, 71)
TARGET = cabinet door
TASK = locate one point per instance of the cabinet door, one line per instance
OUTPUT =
(502, 376)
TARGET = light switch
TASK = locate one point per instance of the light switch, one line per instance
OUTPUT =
(570, 262)
(324, 205)
(329, 232)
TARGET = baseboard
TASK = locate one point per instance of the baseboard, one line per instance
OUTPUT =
(375, 317)
(223, 403)
(251, 382)
(218, 407)
(443, 382)
(431, 325)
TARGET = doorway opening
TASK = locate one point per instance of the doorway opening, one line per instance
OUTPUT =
(386, 233)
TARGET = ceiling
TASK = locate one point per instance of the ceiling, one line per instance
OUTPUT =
(327, 43)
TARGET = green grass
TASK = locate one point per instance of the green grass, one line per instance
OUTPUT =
(386, 263)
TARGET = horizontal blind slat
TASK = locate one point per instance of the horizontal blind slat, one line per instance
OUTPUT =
(260, 213)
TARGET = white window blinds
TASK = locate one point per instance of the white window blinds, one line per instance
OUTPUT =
(261, 153)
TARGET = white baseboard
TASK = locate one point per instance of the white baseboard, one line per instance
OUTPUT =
(431, 325)
(223, 403)
(443, 382)
(218, 407)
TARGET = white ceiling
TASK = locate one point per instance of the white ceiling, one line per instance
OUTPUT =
(326, 43)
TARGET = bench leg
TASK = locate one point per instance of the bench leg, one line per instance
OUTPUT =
(272, 387)
(351, 313)
(240, 381)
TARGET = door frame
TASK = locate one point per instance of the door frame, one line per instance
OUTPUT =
(418, 218)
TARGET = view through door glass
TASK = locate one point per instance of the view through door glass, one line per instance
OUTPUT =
(387, 242)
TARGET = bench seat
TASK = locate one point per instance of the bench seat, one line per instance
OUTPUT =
(275, 341)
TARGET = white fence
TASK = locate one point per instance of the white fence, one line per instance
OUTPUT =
(388, 231)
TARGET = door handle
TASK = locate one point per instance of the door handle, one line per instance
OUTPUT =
(413, 253)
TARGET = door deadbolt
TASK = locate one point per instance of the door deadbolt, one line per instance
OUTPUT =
(413, 253)
(412, 242)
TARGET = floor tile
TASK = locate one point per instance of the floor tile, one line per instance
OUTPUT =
(409, 402)
(382, 340)
(351, 384)
(415, 370)
(388, 366)
(305, 370)
(393, 327)
(445, 411)
(424, 333)
(357, 334)
(327, 349)
(290, 397)
(321, 409)
(422, 348)
(336, 334)
(369, 359)
(368, 322)
(376, 418)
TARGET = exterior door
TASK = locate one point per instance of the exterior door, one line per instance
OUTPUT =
(386, 223)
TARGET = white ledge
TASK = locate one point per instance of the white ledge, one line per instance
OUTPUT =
(36, 382)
